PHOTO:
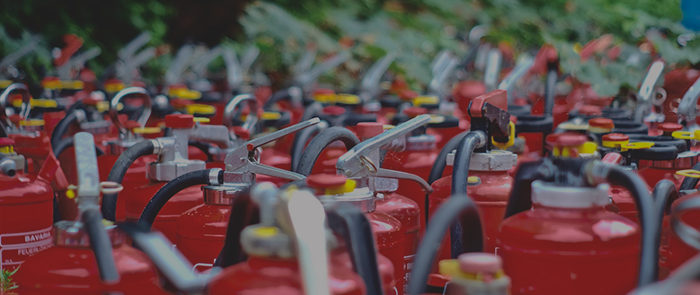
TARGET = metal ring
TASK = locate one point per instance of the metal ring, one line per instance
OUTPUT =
(114, 103)
(689, 173)
(110, 187)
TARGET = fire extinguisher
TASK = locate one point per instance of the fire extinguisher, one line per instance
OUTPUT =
(377, 186)
(683, 83)
(88, 256)
(288, 250)
(199, 230)
(569, 196)
(668, 155)
(646, 96)
(27, 206)
(173, 161)
(480, 170)
(30, 138)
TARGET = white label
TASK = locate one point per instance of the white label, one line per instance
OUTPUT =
(16, 247)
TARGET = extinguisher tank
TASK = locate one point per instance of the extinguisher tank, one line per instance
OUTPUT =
(573, 240)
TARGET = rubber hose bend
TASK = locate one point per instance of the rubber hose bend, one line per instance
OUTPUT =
(461, 206)
(62, 128)
(690, 183)
(463, 156)
(109, 201)
(165, 193)
(648, 266)
(300, 140)
(664, 195)
(66, 143)
(101, 246)
(320, 142)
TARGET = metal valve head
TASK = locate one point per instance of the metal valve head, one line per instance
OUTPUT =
(130, 91)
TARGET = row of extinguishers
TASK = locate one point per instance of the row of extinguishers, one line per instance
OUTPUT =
(572, 236)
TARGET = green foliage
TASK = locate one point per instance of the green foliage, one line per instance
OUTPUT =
(6, 280)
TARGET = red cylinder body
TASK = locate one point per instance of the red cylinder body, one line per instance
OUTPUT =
(569, 251)
(625, 203)
(137, 198)
(34, 146)
(26, 218)
(673, 251)
(490, 196)
(414, 162)
(389, 237)
(201, 232)
(69, 270)
(260, 275)
(407, 212)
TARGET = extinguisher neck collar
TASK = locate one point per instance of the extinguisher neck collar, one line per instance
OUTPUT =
(362, 198)
(550, 195)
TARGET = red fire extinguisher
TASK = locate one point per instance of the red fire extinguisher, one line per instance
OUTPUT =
(374, 192)
(27, 206)
(686, 109)
(481, 169)
(199, 230)
(88, 257)
(677, 244)
(683, 83)
(287, 251)
(569, 233)
(668, 155)
(30, 139)
(173, 161)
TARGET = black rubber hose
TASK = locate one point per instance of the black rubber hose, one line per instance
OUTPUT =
(322, 140)
(165, 193)
(62, 128)
(300, 140)
(204, 147)
(690, 183)
(277, 96)
(550, 89)
(440, 163)
(68, 142)
(463, 156)
(244, 212)
(101, 246)
(664, 195)
(519, 199)
(461, 206)
(109, 201)
(648, 266)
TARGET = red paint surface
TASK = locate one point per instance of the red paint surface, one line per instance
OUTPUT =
(674, 252)
(407, 212)
(569, 251)
(68, 270)
(201, 232)
(390, 240)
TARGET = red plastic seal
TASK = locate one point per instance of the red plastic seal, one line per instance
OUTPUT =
(498, 98)
(179, 121)
(670, 127)
(615, 137)
(5, 141)
(180, 103)
(407, 94)
(369, 129)
(334, 110)
(601, 123)
(570, 139)
(325, 180)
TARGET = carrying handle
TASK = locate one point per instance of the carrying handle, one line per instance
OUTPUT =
(252, 117)
(493, 69)
(234, 73)
(371, 79)
(305, 62)
(251, 54)
(647, 90)
(134, 45)
(179, 64)
(199, 66)
(687, 108)
(64, 71)
(19, 53)
(522, 66)
(130, 91)
(26, 102)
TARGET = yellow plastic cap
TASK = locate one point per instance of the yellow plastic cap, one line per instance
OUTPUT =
(5, 83)
(32, 122)
(689, 173)
(114, 87)
(201, 120)
(346, 98)
(146, 130)
(425, 99)
(72, 84)
(271, 116)
(266, 231)
(200, 109)
(349, 186)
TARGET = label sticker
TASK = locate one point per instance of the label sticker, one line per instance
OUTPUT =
(16, 247)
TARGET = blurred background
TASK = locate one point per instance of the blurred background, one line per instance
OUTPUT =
(414, 30)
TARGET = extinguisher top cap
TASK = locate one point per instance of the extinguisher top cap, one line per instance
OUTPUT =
(590, 110)
(479, 262)
(326, 180)
(601, 123)
(5, 141)
(369, 129)
(179, 121)
(334, 110)
(569, 197)
(615, 137)
(570, 139)
(670, 127)
(415, 111)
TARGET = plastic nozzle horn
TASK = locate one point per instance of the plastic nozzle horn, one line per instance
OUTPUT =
(65, 71)
(522, 66)
(242, 159)
(687, 106)
(167, 258)
(249, 56)
(130, 49)
(307, 219)
(130, 91)
(363, 159)
(234, 73)
(647, 90)
(26, 99)
(13, 57)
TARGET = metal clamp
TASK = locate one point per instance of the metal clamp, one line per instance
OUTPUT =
(363, 160)
(242, 159)
(130, 91)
